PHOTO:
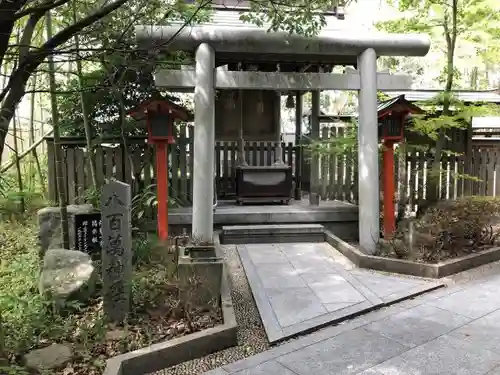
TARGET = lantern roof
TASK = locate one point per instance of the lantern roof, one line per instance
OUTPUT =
(160, 103)
(397, 104)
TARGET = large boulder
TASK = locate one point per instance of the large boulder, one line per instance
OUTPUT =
(49, 221)
(49, 358)
(67, 274)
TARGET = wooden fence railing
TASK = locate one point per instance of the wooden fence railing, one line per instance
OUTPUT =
(338, 174)
(134, 163)
(475, 174)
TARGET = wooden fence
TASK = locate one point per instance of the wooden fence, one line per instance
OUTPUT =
(338, 174)
(477, 173)
(133, 162)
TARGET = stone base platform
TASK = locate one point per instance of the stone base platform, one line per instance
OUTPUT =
(339, 217)
(279, 233)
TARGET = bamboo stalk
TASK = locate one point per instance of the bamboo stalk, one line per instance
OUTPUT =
(32, 139)
(85, 113)
(8, 165)
(57, 142)
(19, 174)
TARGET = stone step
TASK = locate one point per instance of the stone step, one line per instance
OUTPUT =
(282, 233)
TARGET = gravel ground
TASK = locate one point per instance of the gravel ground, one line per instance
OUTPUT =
(252, 338)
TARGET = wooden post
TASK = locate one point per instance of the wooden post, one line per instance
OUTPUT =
(162, 189)
(389, 216)
(298, 151)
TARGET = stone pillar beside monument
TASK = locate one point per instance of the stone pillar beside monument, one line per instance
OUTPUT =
(116, 250)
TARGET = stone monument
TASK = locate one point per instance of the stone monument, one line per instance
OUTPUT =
(116, 249)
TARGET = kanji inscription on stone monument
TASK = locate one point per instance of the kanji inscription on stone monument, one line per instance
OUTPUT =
(116, 249)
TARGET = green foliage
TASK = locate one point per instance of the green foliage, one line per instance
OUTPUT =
(427, 16)
(93, 196)
(293, 16)
(23, 310)
(451, 22)
(434, 121)
(11, 198)
(382, 96)
(13, 370)
(142, 248)
(104, 95)
(122, 75)
(28, 320)
(146, 200)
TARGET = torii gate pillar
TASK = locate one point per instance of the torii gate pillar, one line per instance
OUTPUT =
(368, 179)
(204, 144)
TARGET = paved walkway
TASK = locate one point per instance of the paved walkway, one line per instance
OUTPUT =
(449, 331)
(301, 287)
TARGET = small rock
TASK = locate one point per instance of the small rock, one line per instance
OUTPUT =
(116, 335)
(67, 274)
(49, 358)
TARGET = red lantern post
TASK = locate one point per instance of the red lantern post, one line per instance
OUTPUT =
(392, 115)
(389, 189)
(160, 116)
(392, 132)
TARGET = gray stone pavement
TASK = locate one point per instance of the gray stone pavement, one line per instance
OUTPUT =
(301, 287)
(453, 330)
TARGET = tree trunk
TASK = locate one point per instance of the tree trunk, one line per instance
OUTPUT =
(19, 174)
(32, 139)
(86, 123)
(57, 143)
(451, 36)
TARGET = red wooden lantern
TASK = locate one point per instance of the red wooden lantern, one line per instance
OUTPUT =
(392, 115)
(160, 115)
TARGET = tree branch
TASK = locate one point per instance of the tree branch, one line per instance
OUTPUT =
(25, 41)
(34, 58)
(15, 90)
(42, 8)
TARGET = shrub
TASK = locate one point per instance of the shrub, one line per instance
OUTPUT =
(451, 228)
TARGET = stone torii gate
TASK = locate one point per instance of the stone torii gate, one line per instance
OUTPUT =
(251, 44)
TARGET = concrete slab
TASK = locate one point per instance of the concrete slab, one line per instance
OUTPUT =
(411, 338)
(305, 305)
(495, 371)
(301, 287)
(271, 367)
(418, 325)
(359, 348)
(445, 355)
(483, 332)
(472, 302)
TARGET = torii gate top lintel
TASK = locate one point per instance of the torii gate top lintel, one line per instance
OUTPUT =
(328, 46)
